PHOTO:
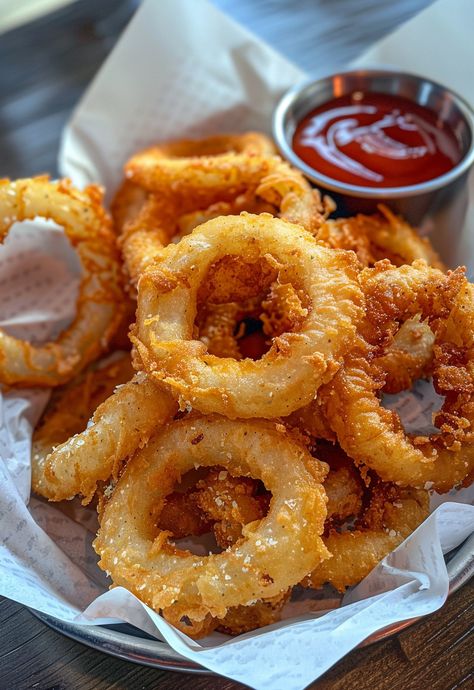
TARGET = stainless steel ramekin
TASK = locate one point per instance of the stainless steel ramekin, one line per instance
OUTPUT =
(436, 207)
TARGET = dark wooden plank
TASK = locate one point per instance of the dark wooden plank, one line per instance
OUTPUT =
(434, 653)
(33, 656)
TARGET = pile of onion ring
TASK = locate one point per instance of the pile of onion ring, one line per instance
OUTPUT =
(249, 414)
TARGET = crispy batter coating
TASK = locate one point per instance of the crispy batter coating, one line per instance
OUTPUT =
(127, 204)
(374, 436)
(69, 410)
(241, 619)
(217, 329)
(288, 190)
(408, 357)
(283, 309)
(226, 504)
(234, 278)
(119, 426)
(179, 178)
(230, 503)
(288, 375)
(245, 202)
(344, 490)
(273, 553)
(181, 516)
(173, 187)
(310, 420)
(384, 236)
(222, 327)
(195, 167)
(392, 515)
(388, 236)
(251, 307)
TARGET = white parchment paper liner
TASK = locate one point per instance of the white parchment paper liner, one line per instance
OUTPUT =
(180, 69)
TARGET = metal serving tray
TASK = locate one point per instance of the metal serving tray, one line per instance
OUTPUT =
(127, 642)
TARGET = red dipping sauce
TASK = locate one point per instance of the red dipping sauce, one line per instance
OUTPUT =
(376, 140)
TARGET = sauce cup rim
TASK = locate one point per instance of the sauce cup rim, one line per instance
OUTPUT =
(331, 184)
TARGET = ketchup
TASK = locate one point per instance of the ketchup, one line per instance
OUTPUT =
(376, 140)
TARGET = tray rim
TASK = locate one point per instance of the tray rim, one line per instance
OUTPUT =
(160, 655)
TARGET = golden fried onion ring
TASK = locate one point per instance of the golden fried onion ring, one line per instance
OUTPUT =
(284, 191)
(120, 425)
(377, 237)
(266, 184)
(408, 357)
(215, 163)
(245, 202)
(241, 619)
(380, 236)
(310, 420)
(374, 436)
(288, 375)
(100, 304)
(273, 554)
(69, 411)
(393, 514)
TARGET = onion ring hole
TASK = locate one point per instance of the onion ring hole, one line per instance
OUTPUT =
(39, 272)
(206, 511)
(415, 407)
(242, 306)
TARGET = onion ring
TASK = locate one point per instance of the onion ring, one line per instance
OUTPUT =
(245, 202)
(284, 192)
(384, 236)
(144, 236)
(273, 553)
(215, 164)
(153, 228)
(288, 375)
(69, 410)
(374, 436)
(223, 504)
(231, 173)
(393, 514)
(120, 425)
(289, 191)
(310, 420)
(408, 357)
(230, 503)
(241, 619)
(158, 220)
(100, 305)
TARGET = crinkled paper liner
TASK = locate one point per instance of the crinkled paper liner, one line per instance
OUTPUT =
(179, 70)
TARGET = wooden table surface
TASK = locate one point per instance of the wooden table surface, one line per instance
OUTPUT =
(45, 67)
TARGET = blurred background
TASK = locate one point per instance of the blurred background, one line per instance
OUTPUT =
(51, 49)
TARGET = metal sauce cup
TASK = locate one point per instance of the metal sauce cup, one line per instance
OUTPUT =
(436, 207)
